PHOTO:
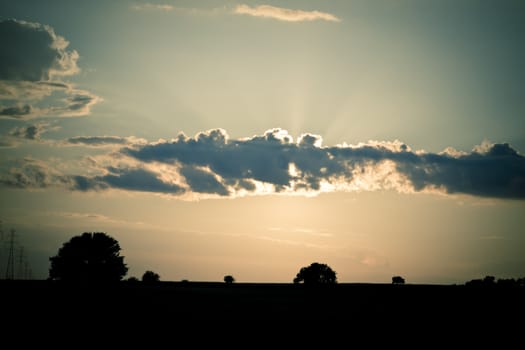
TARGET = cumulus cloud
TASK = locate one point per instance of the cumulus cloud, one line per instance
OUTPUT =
(284, 14)
(499, 171)
(264, 159)
(203, 181)
(32, 61)
(212, 164)
(274, 159)
(33, 52)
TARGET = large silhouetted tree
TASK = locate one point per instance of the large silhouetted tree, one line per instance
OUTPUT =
(90, 257)
(316, 274)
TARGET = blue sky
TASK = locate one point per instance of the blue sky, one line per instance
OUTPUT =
(253, 138)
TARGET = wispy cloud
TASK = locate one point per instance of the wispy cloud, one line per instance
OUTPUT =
(492, 238)
(56, 99)
(94, 217)
(31, 132)
(292, 242)
(29, 173)
(34, 59)
(153, 7)
(179, 10)
(131, 179)
(4, 143)
(284, 14)
(300, 230)
(210, 164)
(103, 141)
(16, 111)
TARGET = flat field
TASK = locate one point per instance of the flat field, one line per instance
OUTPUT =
(259, 301)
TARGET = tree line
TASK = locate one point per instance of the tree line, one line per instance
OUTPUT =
(94, 257)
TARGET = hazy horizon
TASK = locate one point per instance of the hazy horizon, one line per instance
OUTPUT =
(251, 139)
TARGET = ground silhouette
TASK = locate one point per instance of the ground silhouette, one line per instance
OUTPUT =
(370, 304)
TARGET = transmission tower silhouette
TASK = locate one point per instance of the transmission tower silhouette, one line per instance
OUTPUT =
(21, 261)
(10, 269)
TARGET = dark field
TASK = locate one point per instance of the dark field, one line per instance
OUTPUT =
(196, 301)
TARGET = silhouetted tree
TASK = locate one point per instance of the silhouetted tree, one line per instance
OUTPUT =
(316, 273)
(150, 277)
(507, 282)
(398, 280)
(90, 257)
(229, 279)
(133, 279)
(490, 281)
(474, 283)
(485, 282)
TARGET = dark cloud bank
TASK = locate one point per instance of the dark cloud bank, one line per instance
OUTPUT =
(211, 163)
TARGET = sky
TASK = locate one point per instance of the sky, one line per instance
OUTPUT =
(250, 139)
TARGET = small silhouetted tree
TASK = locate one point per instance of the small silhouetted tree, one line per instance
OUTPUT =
(398, 280)
(229, 279)
(150, 277)
(90, 257)
(474, 283)
(507, 282)
(489, 280)
(316, 274)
